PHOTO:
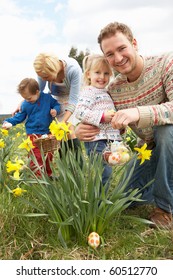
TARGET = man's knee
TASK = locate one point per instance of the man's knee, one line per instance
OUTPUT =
(163, 135)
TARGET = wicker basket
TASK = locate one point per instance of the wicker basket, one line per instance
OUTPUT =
(48, 144)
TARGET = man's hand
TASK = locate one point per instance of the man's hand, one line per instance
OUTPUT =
(86, 132)
(123, 118)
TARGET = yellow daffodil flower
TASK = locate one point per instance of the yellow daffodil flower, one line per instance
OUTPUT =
(60, 130)
(128, 139)
(143, 153)
(2, 144)
(4, 132)
(26, 144)
(65, 127)
(16, 167)
(18, 191)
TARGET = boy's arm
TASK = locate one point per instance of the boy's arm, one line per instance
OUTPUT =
(18, 118)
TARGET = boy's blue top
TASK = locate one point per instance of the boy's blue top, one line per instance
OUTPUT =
(37, 114)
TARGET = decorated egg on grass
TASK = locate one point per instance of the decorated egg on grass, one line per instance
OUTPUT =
(94, 240)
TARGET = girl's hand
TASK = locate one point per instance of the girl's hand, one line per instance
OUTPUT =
(108, 115)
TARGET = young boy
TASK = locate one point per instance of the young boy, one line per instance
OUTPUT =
(38, 109)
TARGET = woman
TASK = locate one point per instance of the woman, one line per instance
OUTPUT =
(63, 78)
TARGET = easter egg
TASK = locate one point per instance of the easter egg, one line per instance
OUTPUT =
(122, 148)
(106, 155)
(124, 157)
(114, 158)
(93, 240)
(114, 146)
(44, 136)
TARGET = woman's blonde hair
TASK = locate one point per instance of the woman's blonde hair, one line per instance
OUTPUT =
(91, 62)
(47, 64)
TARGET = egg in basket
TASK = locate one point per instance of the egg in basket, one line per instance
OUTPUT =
(117, 153)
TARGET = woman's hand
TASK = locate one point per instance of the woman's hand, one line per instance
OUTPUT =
(17, 109)
(86, 132)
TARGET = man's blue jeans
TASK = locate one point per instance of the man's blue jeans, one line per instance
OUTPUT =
(99, 146)
(159, 168)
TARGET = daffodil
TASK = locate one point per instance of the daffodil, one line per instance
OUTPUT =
(143, 153)
(2, 144)
(16, 167)
(18, 191)
(60, 130)
(4, 131)
(65, 127)
(128, 139)
(26, 144)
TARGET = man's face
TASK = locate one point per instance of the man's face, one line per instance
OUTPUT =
(120, 53)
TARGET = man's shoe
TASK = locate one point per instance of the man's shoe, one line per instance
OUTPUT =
(161, 219)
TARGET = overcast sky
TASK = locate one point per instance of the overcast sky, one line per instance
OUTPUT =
(32, 26)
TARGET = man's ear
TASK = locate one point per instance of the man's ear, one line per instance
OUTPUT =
(135, 44)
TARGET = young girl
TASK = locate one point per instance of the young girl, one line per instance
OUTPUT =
(38, 109)
(96, 107)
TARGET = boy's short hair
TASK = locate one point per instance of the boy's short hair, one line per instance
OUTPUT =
(29, 83)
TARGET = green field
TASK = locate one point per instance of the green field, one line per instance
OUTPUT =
(51, 221)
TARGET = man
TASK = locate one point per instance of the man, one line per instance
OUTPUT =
(143, 95)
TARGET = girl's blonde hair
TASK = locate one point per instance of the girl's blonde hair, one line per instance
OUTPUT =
(91, 62)
(47, 64)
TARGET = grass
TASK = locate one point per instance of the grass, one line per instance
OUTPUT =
(24, 238)
(35, 238)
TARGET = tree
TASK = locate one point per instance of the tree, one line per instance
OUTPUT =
(73, 52)
(79, 57)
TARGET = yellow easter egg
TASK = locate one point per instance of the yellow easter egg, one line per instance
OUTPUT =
(94, 240)
(124, 157)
